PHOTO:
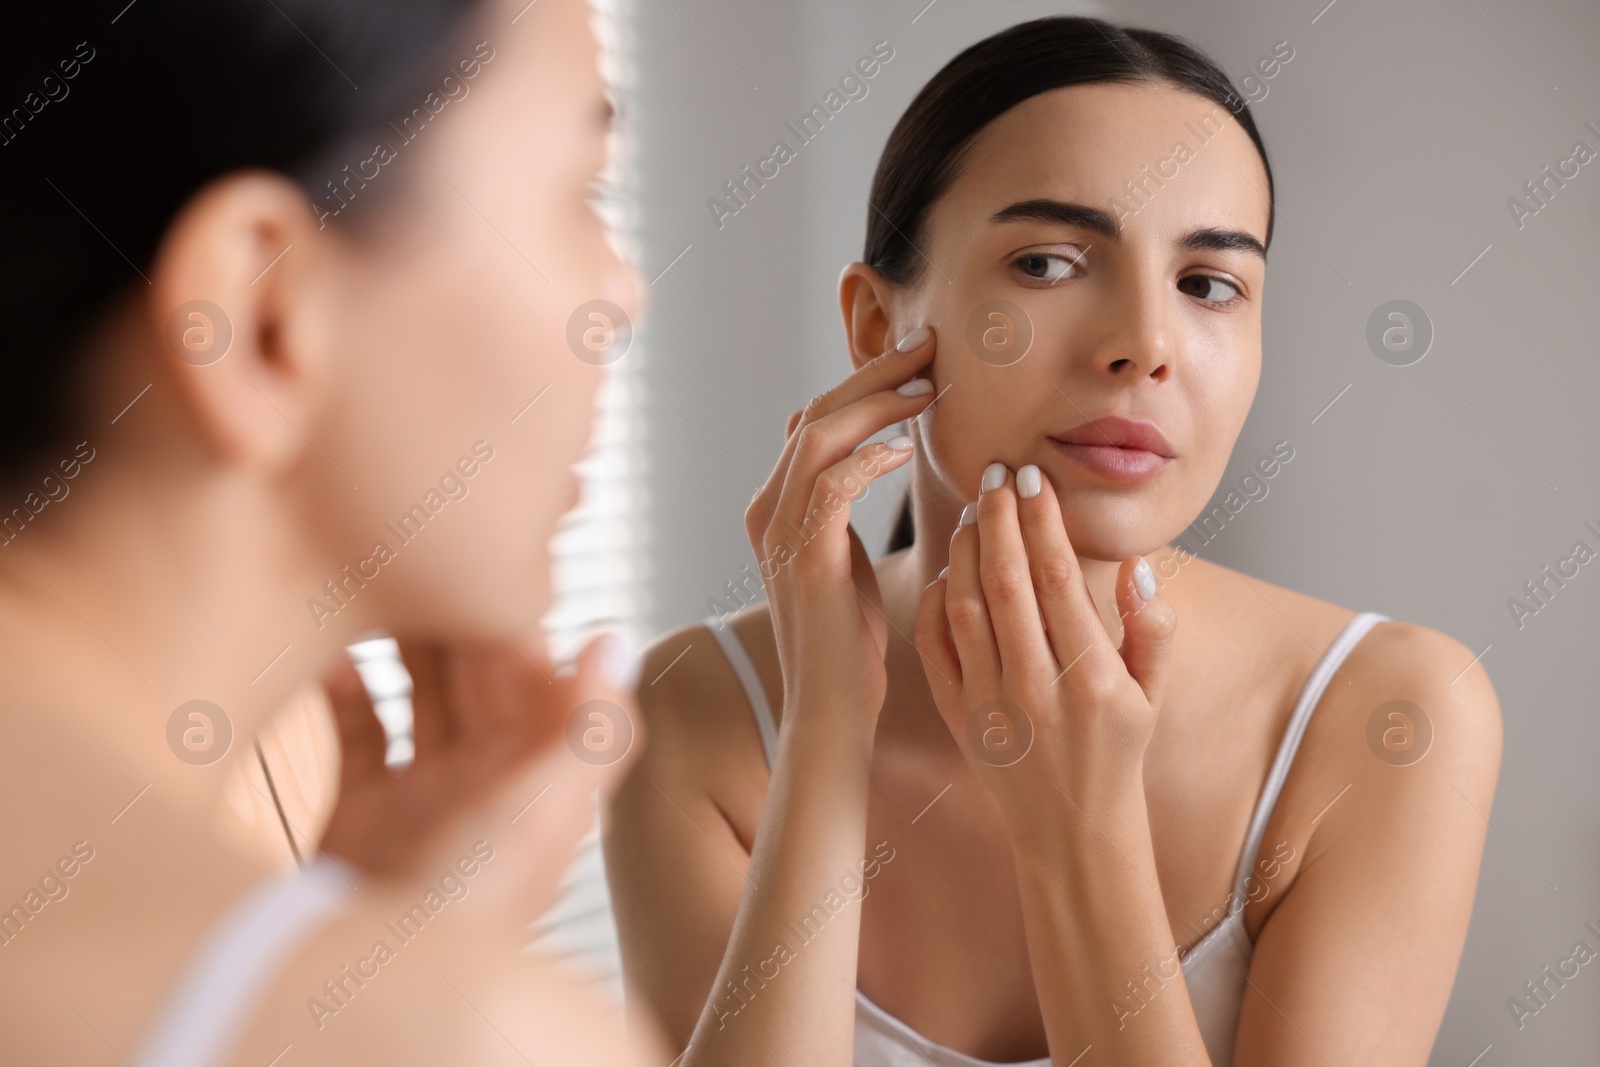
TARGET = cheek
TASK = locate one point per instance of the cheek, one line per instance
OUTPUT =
(955, 440)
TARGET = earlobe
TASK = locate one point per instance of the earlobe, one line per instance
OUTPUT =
(866, 301)
(227, 316)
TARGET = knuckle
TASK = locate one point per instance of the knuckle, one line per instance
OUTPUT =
(965, 614)
(817, 407)
(1053, 575)
(812, 437)
(1005, 583)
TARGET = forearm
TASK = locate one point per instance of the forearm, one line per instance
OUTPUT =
(1104, 962)
(785, 991)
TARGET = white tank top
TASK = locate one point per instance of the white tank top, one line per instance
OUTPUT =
(215, 998)
(1214, 969)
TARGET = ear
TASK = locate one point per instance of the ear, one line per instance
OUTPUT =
(238, 334)
(866, 300)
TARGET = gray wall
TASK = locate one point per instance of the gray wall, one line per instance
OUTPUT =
(1429, 492)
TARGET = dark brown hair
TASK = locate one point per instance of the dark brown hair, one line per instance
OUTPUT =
(115, 114)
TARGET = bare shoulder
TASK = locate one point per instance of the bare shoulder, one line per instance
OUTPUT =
(1417, 695)
(1394, 661)
(697, 716)
(1404, 740)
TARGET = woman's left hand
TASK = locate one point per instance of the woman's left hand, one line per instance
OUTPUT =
(1021, 667)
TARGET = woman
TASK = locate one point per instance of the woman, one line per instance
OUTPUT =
(281, 283)
(1034, 793)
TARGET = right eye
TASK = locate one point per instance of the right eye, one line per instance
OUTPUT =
(1048, 267)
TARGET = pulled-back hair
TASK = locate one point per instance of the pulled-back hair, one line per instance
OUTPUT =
(114, 114)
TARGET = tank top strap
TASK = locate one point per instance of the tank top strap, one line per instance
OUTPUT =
(1327, 666)
(213, 999)
(744, 667)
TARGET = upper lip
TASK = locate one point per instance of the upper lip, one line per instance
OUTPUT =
(1120, 432)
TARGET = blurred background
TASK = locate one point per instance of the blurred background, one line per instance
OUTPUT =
(1431, 479)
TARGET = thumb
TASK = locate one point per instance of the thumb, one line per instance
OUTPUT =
(1149, 624)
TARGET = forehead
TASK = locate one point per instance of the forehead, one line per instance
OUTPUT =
(1087, 143)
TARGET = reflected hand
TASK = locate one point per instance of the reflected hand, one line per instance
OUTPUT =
(491, 723)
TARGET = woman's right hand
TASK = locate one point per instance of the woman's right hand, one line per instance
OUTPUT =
(827, 612)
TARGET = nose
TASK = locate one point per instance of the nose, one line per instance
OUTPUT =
(1140, 335)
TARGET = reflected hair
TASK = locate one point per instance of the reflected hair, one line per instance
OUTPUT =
(932, 140)
(113, 115)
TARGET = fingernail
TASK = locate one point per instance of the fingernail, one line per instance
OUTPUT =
(901, 443)
(916, 387)
(1028, 481)
(912, 339)
(994, 476)
(969, 515)
(943, 574)
(1144, 579)
(613, 659)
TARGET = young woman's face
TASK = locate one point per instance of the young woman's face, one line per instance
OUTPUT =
(1063, 294)
(465, 393)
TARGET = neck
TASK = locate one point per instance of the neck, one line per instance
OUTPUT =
(124, 600)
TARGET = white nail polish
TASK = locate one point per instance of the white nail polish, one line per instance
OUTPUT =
(912, 339)
(994, 476)
(901, 443)
(1028, 481)
(1144, 579)
(916, 387)
(969, 515)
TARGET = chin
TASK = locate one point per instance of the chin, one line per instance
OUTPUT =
(1112, 530)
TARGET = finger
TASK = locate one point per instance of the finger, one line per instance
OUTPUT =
(932, 637)
(892, 369)
(1007, 581)
(488, 698)
(431, 729)
(794, 420)
(1149, 625)
(1072, 622)
(827, 442)
(361, 738)
(537, 804)
(966, 614)
(605, 674)
(819, 530)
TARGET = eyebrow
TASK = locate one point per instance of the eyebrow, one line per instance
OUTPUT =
(1094, 220)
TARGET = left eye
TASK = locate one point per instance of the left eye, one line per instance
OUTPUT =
(1046, 266)
(1211, 290)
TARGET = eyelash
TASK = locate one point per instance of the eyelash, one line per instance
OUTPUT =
(1076, 262)
(1233, 301)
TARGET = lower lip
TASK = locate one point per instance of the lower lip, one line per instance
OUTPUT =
(1129, 465)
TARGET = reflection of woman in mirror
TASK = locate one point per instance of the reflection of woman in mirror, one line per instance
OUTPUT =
(1038, 782)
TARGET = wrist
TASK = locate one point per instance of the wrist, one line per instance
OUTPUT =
(1060, 818)
(827, 726)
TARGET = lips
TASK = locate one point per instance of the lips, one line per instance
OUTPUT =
(1122, 450)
